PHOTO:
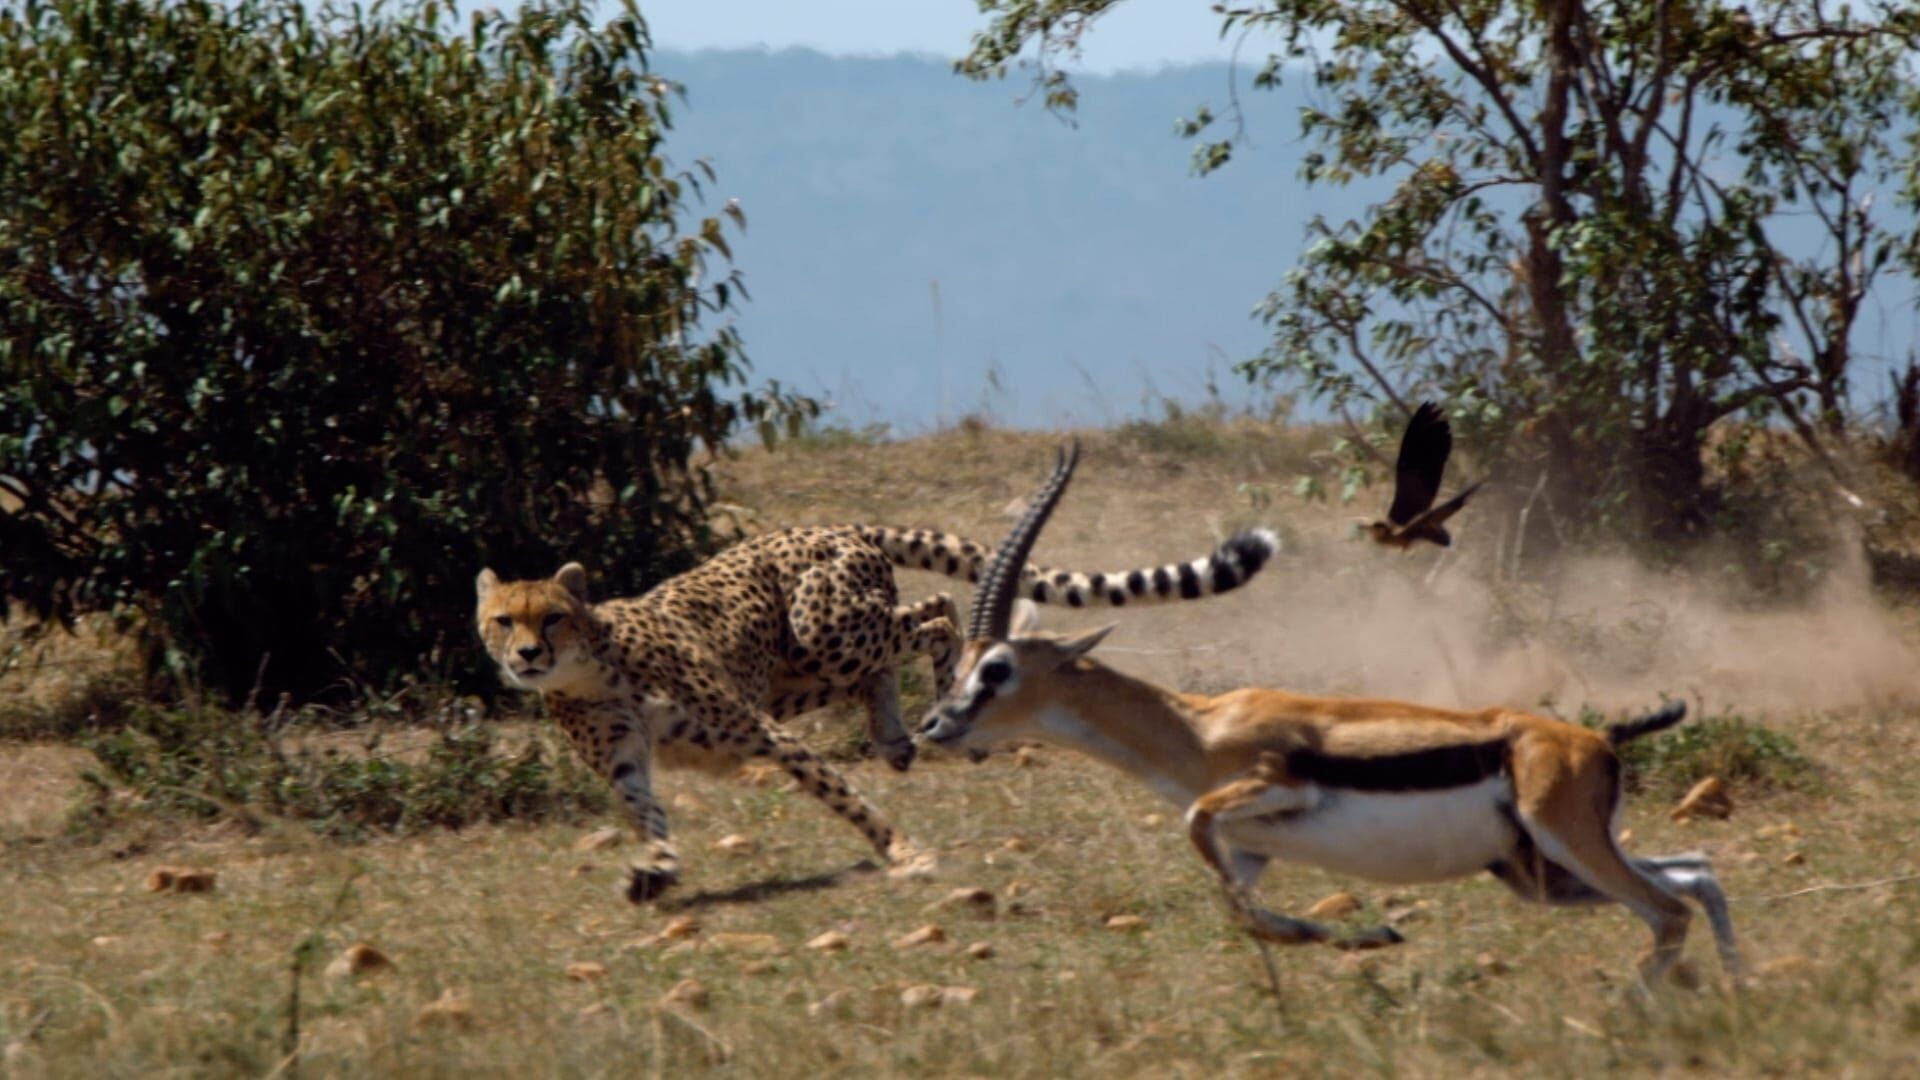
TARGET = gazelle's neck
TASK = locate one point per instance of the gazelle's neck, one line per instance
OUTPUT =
(1130, 724)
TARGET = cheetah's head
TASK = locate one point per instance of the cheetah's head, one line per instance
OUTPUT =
(537, 631)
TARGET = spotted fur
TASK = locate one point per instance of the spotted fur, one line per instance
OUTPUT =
(695, 671)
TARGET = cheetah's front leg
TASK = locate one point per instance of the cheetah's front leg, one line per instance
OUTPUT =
(629, 770)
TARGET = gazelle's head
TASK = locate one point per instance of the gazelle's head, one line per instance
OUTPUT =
(1001, 682)
(537, 631)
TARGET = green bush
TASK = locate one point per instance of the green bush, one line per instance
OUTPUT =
(307, 314)
(1748, 755)
(200, 762)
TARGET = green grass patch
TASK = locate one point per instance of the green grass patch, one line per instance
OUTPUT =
(199, 762)
(1729, 746)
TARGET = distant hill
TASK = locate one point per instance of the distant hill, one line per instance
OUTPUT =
(1078, 268)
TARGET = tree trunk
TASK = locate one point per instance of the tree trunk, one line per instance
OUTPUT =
(1671, 496)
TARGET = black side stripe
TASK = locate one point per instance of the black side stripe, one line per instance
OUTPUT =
(1434, 769)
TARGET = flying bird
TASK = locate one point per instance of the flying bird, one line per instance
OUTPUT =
(1423, 457)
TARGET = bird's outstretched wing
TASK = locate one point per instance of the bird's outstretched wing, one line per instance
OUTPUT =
(1423, 457)
(1445, 510)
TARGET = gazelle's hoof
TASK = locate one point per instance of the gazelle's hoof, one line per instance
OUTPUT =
(649, 883)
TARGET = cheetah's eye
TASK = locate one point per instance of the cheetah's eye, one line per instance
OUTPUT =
(504, 621)
(551, 621)
(995, 672)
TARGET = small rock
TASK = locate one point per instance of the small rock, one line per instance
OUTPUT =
(216, 939)
(360, 959)
(586, 971)
(736, 844)
(677, 929)
(600, 839)
(1795, 858)
(759, 967)
(958, 995)
(1490, 964)
(1026, 757)
(1014, 510)
(978, 901)
(1153, 821)
(924, 996)
(1016, 844)
(747, 943)
(1626, 836)
(831, 941)
(180, 879)
(1018, 888)
(980, 950)
(582, 870)
(762, 774)
(1339, 905)
(21, 1059)
(1127, 924)
(688, 802)
(1790, 966)
(688, 993)
(105, 941)
(450, 1011)
(834, 1004)
(1709, 798)
(1409, 912)
(926, 935)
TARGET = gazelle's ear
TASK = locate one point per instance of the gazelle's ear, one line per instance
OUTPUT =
(573, 578)
(484, 584)
(1081, 644)
(1026, 618)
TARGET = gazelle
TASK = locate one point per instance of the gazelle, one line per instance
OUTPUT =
(1385, 790)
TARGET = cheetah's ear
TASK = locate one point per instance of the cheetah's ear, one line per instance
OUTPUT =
(573, 578)
(484, 584)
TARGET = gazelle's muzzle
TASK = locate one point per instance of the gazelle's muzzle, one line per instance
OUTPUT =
(945, 723)
(948, 725)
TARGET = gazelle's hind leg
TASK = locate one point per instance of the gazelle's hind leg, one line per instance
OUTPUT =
(1566, 809)
(1691, 875)
(1253, 797)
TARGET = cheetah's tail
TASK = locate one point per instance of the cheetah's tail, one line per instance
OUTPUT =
(1230, 565)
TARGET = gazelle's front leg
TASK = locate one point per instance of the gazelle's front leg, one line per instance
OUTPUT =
(1252, 797)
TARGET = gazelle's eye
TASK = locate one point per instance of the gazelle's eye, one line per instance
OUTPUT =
(551, 621)
(504, 621)
(995, 672)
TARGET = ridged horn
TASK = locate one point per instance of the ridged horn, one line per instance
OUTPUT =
(993, 601)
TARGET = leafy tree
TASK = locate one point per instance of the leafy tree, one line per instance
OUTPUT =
(1611, 225)
(307, 314)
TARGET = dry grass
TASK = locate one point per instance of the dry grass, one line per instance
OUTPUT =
(99, 976)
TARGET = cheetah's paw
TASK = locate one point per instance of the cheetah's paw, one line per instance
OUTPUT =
(645, 883)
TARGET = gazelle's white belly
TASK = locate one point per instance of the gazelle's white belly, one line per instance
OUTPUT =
(1391, 836)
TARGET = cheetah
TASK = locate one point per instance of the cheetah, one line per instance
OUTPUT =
(694, 672)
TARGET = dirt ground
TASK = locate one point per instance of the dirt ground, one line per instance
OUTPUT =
(487, 929)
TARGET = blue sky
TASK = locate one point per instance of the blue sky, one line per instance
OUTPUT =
(1137, 34)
